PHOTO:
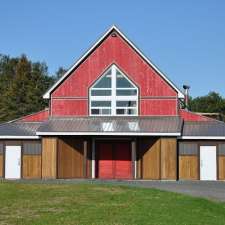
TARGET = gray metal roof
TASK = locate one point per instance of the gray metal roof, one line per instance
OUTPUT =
(19, 128)
(169, 124)
(124, 125)
(204, 128)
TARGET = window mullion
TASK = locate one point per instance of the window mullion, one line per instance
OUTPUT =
(113, 90)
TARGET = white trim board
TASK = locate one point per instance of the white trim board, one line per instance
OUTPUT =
(108, 133)
(18, 137)
(202, 137)
(47, 94)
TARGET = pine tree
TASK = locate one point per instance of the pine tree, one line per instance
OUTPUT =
(22, 85)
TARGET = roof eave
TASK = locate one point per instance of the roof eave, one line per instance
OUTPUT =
(18, 137)
(107, 133)
(202, 137)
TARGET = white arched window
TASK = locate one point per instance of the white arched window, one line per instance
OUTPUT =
(113, 94)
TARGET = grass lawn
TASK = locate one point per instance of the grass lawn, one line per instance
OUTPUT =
(95, 204)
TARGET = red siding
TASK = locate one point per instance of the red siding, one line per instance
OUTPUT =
(113, 50)
(190, 116)
(62, 107)
(36, 117)
(158, 107)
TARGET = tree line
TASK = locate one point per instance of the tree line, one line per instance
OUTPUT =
(23, 82)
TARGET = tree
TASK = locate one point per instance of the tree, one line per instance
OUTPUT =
(213, 102)
(22, 84)
(60, 72)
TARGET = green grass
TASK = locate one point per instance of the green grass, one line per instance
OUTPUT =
(98, 204)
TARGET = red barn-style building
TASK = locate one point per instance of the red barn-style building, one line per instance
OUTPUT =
(113, 115)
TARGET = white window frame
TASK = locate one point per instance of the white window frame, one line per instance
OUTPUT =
(113, 97)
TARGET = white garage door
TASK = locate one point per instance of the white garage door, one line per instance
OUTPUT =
(13, 162)
(208, 164)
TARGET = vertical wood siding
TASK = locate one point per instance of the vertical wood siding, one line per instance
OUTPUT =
(158, 107)
(188, 167)
(68, 107)
(70, 158)
(49, 157)
(113, 50)
(149, 149)
(189, 158)
(31, 166)
(168, 158)
(1, 165)
(221, 167)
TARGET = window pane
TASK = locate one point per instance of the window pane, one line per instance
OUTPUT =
(101, 92)
(126, 111)
(126, 92)
(126, 103)
(105, 81)
(95, 111)
(132, 111)
(106, 111)
(101, 104)
(121, 81)
(120, 111)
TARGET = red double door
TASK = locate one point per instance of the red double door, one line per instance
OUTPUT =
(114, 160)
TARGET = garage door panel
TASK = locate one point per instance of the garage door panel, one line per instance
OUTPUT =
(105, 161)
(123, 161)
(114, 160)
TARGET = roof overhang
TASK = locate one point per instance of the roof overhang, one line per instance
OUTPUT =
(48, 93)
(112, 126)
(105, 134)
(202, 137)
(18, 137)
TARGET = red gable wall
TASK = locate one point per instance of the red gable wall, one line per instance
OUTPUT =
(190, 116)
(36, 117)
(157, 97)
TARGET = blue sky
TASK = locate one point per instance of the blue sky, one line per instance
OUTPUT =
(185, 39)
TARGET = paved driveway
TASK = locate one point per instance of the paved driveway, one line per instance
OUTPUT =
(208, 189)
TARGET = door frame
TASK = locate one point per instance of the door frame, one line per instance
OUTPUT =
(21, 159)
(133, 148)
(199, 158)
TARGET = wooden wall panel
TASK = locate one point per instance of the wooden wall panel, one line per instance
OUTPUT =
(31, 166)
(1, 165)
(70, 158)
(150, 151)
(188, 167)
(221, 161)
(168, 158)
(49, 156)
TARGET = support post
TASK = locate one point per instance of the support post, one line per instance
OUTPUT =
(93, 159)
(134, 158)
(85, 159)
